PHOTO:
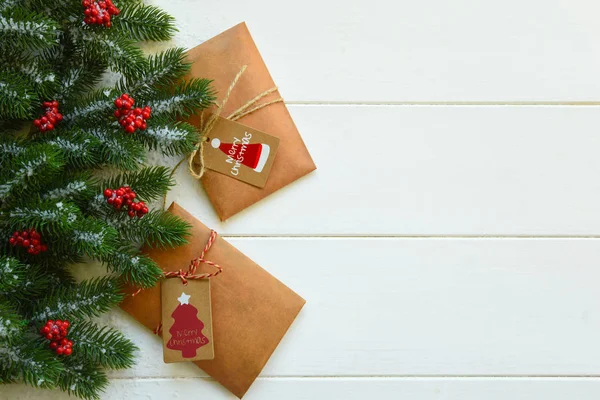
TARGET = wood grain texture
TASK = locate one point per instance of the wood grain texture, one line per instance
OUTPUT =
(425, 307)
(430, 271)
(431, 170)
(344, 389)
(403, 51)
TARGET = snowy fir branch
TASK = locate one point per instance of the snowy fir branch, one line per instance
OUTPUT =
(106, 346)
(142, 22)
(162, 70)
(150, 183)
(87, 299)
(82, 379)
(135, 268)
(28, 361)
(22, 29)
(54, 172)
(186, 98)
(16, 97)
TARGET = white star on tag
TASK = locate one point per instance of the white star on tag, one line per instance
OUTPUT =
(184, 298)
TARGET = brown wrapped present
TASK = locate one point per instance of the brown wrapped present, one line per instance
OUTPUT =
(221, 59)
(251, 310)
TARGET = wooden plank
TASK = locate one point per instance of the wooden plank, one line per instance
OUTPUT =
(342, 388)
(428, 170)
(411, 51)
(434, 307)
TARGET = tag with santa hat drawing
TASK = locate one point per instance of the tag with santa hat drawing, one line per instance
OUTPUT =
(186, 320)
(240, 152)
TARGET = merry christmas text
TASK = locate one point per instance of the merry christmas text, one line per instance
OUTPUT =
(236, 153)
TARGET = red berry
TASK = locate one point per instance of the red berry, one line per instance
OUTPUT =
(49, 336)
(108, 192)
(43, 247)
(131, 213)
(50, 127)
(145, 210)
(129, 129)
(68, 352)
(53, 345)
(66, 324)
(12, 241)
(59, 350)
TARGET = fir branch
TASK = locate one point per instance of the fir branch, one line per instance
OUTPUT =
(11, 323)
(119, 149)
(70, 188)
(156, 229)
(78, 149)
(172, 139)
(97, 105)
(20, 281)
(141, 22)
(86, 299)
(30, 362)
(20, 28)
(16, 97)
(80, 77)
(187, 98)
(49, 216)
(102, 345)
(149, 183)
(118, 51)
(9, 149)
(94, 238)
(135, 269)
(35, 71)
(161, 70)
(32, 169)
(82, 379)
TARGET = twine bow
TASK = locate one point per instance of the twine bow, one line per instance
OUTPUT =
(196, 159)
(191, 272)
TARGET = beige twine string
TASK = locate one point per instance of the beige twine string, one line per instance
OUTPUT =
(196, 158)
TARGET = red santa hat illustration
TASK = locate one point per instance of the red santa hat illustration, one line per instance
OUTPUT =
(255, 154)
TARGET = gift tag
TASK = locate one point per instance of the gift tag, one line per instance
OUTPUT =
(187, 320)
(240, 152)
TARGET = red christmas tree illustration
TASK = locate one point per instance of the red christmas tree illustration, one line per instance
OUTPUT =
(186, 332)
(253, 155)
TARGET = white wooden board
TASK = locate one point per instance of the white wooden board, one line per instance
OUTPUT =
(344, 389)
(414, 51)
(432, 170)
(447, 226)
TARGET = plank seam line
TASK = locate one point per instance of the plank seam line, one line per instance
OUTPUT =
(357, 377)
(448, 104)
(376, 236)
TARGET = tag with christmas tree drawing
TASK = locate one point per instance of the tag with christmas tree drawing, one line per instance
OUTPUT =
(240, 152)
(187, 320)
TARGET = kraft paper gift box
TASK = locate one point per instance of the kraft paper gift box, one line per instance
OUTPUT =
(251, 310)
(220, 59)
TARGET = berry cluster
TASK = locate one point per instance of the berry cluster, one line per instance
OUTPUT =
(99, 12)
(131, 118)
(47, 121)
(125, 197)
(56, 333)
(29, 239)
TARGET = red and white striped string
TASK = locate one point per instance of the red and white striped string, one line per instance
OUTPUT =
(191, 272)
